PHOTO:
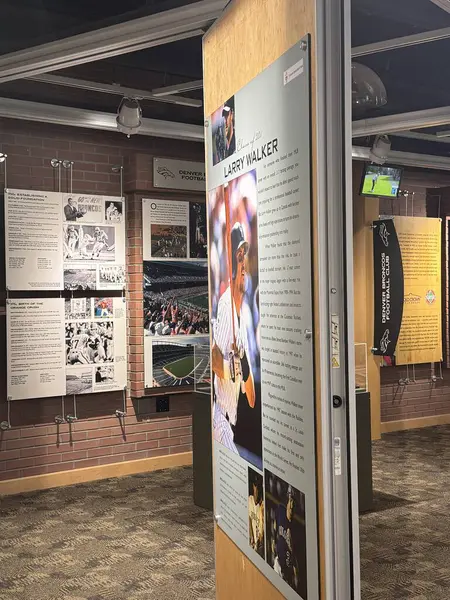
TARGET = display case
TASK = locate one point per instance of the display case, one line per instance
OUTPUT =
(361, 384)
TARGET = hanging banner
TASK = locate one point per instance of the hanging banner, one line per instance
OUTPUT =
(388, 287)
(407, 269)
(179, 174)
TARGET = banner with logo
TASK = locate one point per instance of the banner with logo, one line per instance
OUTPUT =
(388, 287)
(179, 174)
(408, 317)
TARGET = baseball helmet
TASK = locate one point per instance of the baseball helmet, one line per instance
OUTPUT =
(237, 241)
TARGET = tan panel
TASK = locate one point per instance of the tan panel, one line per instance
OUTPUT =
(415, 423)
(132, 467)
(250, 36)
(365, 211)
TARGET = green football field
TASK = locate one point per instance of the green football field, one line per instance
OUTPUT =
(201, 300)
(182, 367)
(383, 186)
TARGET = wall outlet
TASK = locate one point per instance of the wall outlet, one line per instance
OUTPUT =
(162, 404)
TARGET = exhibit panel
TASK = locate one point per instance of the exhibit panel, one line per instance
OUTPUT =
(259, 211)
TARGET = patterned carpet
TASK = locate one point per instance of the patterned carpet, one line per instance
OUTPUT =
(135, 538)
(405, 542)
(142, 538)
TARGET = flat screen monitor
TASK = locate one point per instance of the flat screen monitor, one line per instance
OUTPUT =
(381, 181)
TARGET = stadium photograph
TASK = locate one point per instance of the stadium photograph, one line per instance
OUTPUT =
(80, 279)
(79, 380)
(169, 241)
(175, 298)
(176, 363)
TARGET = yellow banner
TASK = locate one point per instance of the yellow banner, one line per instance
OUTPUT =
(420, 339)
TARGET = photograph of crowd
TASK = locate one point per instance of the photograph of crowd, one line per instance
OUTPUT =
(89, 242)
(286, 532)
(89, 342)
(198, 239)
(113, 211)
(175, 298)
(235, 317)
(223, 132)
(256, 511)
(168, 241)
(80, 279)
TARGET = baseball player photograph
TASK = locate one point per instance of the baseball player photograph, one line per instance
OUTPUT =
(235, 318)
(286, 532)
(256, 511)
(224, 132)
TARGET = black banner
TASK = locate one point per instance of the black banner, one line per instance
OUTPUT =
(389, 287)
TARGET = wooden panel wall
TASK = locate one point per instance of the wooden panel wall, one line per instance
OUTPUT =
(250, 36)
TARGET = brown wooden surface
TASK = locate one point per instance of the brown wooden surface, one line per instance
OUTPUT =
(417, 423)
(250, 36)
(365, 211)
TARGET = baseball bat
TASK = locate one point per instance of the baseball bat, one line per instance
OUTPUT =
(229, 255)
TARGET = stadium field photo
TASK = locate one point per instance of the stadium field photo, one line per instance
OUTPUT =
(176, 364)
(183, 367)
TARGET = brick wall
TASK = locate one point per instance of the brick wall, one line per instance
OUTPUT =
(35, 444)
(422, 397)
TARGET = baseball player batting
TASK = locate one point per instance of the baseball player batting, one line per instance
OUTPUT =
(230, 363)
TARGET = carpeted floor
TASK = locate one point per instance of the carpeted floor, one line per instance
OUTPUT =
(135, 538)
(405, 541)
(142, 538)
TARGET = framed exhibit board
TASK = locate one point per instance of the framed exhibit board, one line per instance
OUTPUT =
(259, 212)
(175, 288)
(59, 346)
(58, 241)
(408, 296)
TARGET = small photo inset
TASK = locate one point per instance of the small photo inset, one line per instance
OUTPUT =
(77, 309)
(104, 375)
(169, 241)
(113, 211)
(111, 277)
(286, 532)
(223, 132)
(89, 242)
(256, 511)
(198, 239)
(80, 279)
(79, 381)
(103, 308)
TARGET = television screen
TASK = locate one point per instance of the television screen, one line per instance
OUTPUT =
(381, 181)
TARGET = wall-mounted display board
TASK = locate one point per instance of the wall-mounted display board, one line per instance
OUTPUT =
(179, 174)
(58, 346)
(408, 307)
(60, 241)
(175, 292)
(259, 209)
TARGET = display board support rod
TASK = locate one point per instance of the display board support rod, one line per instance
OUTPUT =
(402, 42)
(119, 169)
(5, 425)
(121, 414)
(4, 160)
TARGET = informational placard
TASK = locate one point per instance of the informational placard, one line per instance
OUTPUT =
(407, 270)
(33, 240)
(259, 210)
(35, 348)
(179, 174)
(64, 241)
(60, 346)
(94, 242)
(174, 230)
(420, 339)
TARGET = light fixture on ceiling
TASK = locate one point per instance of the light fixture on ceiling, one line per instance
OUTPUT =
(129, 116)
(380, 149)
(3, 157)
(368, 90)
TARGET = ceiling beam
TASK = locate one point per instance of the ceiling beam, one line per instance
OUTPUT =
(425, 137)
(402, 42)
(188, 86)
(89, 119)
(419, 119)
(444, 4)
(116, 90)
(130, 36)
(406, 159)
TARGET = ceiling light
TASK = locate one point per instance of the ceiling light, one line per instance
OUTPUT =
(368, 90)
(129, 116)
(380, 149)
(3, 157)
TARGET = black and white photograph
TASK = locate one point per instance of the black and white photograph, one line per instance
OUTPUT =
(113, 211)
(89, 342)
(72, 212)
(104, 375)
(80, 279)
(79, 380)
(175, 298)
(198, 239)
(111, 276)
(83, 208)
(168, 241)
(77, 309)
(286, 532)
(89, 242)
(256, 511)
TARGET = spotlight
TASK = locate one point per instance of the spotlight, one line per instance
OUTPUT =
(3, 157)
(380, 149)
(368, 90)
(129, 116)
